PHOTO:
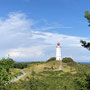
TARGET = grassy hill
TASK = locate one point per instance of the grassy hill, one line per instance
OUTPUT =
(47, 76)
(52, 65)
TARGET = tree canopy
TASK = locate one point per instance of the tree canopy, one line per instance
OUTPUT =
(5, 65)
(84, 43)
(87, 16)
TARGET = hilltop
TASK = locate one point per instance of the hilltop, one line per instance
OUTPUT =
(47, 76)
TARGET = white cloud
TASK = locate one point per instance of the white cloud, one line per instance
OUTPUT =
(15, 22)
(52, 27)
(31, 52)
(20, 40)
(53, 38)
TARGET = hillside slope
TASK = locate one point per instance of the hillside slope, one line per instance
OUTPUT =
(47, 76)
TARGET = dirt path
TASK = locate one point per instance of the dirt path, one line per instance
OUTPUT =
(19, 77)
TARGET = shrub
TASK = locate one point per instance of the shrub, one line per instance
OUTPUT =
(20, 65)
(51, 59)
(5, 65)
(33, 73)
(88, 80)
(67, 60)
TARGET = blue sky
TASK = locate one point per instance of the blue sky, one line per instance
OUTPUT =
(67, 12)
(30, 29)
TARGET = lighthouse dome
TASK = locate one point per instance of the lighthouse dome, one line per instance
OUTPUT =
(58, 43)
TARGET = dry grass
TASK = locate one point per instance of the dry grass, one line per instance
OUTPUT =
(14, 70)
(52, 65)
(44, 66)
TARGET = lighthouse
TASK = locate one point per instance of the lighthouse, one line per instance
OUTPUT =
(58, 51)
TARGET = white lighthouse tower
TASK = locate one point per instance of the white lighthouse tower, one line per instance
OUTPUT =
(58, 52)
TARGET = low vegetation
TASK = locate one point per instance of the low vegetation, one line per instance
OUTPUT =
(47, 76)
(51, 59)
(67, 60)
(9, 69)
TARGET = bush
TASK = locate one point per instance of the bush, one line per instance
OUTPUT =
(88, 80)
(33, 73)
(20, 65)
(5, 65)
(51, 59)
(67, 60)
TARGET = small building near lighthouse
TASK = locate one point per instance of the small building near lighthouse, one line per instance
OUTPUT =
(58, 51)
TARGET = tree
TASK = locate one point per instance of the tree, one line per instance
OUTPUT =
(5, 65)
(84, 43)
(87, 16)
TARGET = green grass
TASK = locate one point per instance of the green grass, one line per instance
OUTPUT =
(14, 73)
(73, 76)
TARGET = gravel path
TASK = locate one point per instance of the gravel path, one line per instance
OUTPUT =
(19, 77)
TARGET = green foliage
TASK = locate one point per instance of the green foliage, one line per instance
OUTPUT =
(67, 60)
(33, 73)
(88, 81)
(15, 75)
(81, 81)
(87, 15)
(51, 59)
(84, 43)
(54, 80)
(20, 65)
(3, 77)
(5, 65)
